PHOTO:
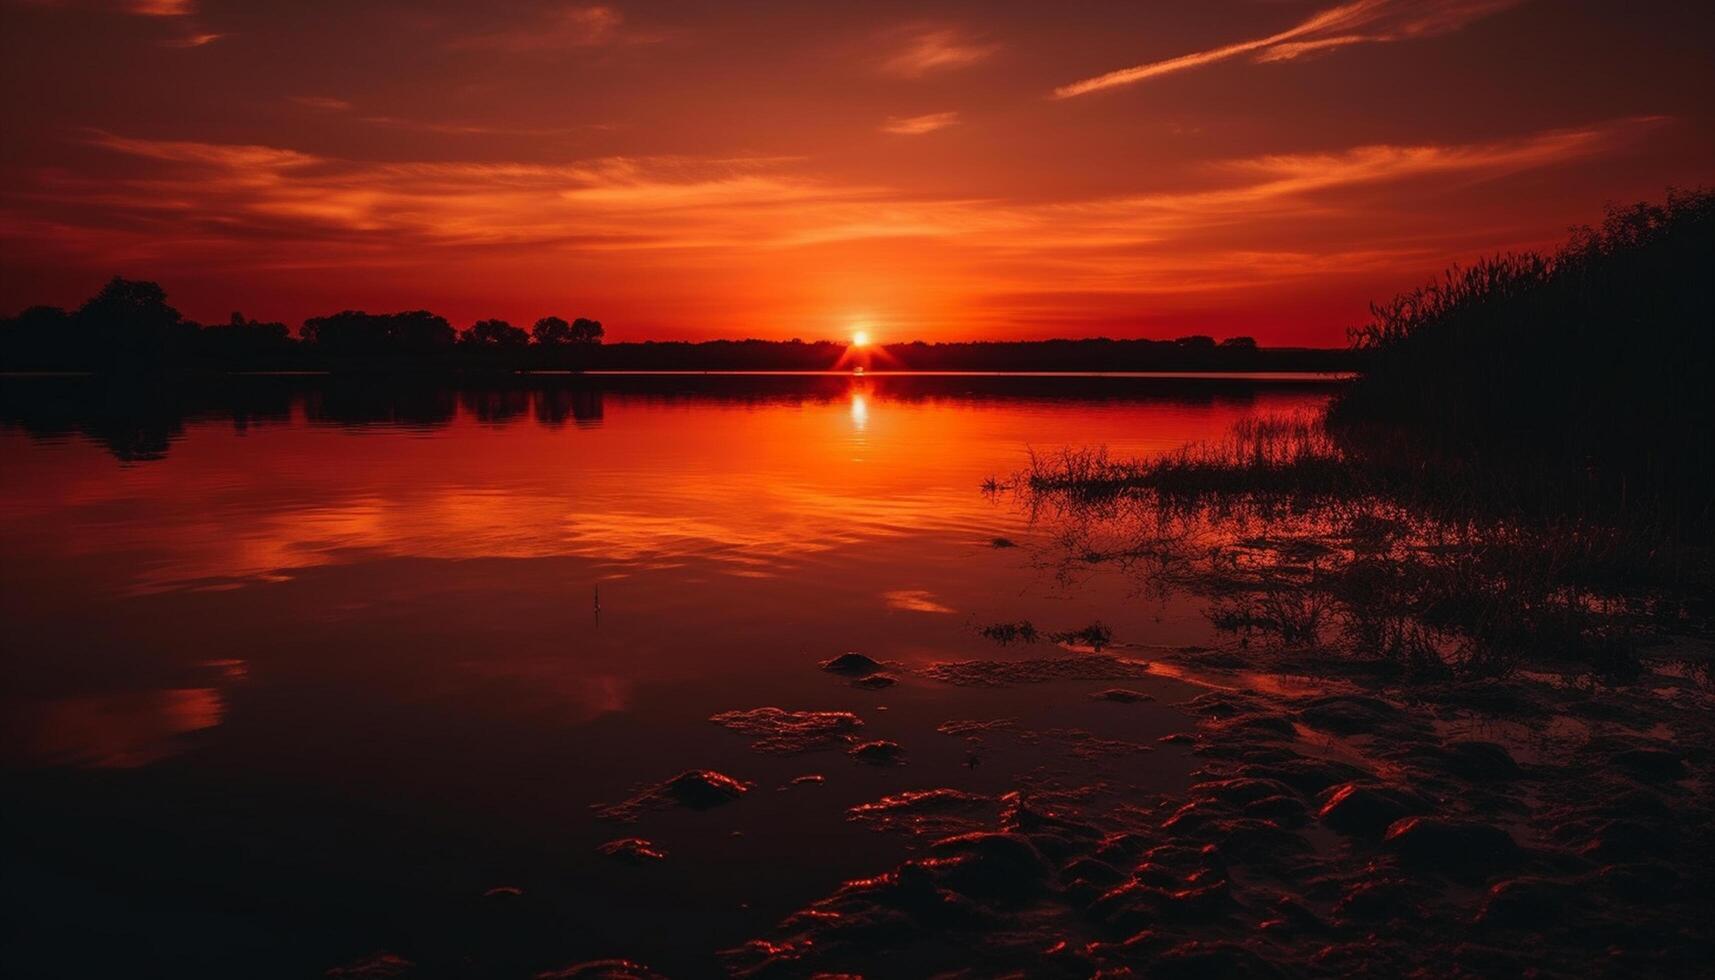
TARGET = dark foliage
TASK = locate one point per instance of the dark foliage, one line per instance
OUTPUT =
(494, 333)
(356, 332)
(1573, 383)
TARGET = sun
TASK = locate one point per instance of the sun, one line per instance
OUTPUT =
(860, 338)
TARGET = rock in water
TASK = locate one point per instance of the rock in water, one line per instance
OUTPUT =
(1122, 695)
(700, 789)
(880, 752)
(1367, 811)
(1458, 846)
(603, 970)
(633, 850)
(697, 789)
(852, 665)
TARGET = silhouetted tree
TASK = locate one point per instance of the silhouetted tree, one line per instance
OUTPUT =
(41, 337)
(240, 338)
(356, 332)
(551, 331)
(1239, 343)
(129, 322)
(495, 333)
(586, 331)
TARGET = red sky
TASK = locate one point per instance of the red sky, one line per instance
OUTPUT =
(776, 169)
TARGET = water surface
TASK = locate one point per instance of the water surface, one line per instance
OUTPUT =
(299, 669)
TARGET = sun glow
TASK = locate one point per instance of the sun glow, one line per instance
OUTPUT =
(860, 338)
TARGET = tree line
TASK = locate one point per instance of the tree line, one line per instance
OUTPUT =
(128, 326)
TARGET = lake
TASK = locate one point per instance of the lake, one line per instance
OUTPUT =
(300, 671)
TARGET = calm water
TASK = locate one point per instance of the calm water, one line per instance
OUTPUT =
(297, 670)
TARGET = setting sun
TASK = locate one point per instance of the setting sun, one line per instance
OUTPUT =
(860, 338)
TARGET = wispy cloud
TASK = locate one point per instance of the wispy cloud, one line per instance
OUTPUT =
(329, 104)
(323, 103)
(161, 8)
(1356, 22)
(921, 51)
(1242, 226)
(194, 40)
(919, 125)
(573, 26)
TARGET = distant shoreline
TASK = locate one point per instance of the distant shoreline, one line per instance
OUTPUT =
(1268, 377)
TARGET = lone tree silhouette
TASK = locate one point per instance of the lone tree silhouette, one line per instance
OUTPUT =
(586, 331)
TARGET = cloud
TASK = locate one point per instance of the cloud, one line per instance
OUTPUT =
(192, 40)
(576, 26)
(1356, 22)
(161, 8)
(925, 50)
(919, 125)
(1240, 226)
(324, 103)
(329, 104)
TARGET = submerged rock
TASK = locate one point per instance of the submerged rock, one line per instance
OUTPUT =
(1624, 840)
(1456, 846)
(1529, 903)
(697, 789)
(379, 966)
(632, 850)
(1007, 673)
(991, 866)
(1367, 811)
(1350, 714)
(1305, 774)
(1655, 765)
(703, 788)
(1379, 899)
(1197, 960)
(852, 664)
(924, 812)
(603, 970)
(778, 730)
(880, 752)
(1480, 761)
(1122, 695)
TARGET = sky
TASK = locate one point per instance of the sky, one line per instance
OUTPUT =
(935, 171)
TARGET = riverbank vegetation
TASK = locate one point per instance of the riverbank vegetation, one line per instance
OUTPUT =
(1520, 476)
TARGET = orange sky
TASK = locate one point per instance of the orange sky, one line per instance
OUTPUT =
(777, 169)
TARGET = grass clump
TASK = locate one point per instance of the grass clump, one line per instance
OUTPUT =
(1007, 634)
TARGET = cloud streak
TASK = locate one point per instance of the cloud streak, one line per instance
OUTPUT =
(161, 8)
(239, 203)
(926, 51)
(770, 240)
(919, 125)
(1356, 22)
(578, 26)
